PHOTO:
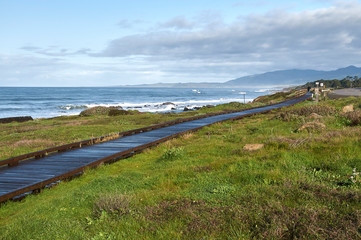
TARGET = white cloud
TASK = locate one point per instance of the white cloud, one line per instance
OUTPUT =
(179, 22)
(55, 51)
(203, 48)
(126, 24)
(279, 37)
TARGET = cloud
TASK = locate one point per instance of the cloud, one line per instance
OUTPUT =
(126, 24)
(55, 51)
(179, 22)
(32, 70)
(202, 48)
(30, 48)
(302, 39)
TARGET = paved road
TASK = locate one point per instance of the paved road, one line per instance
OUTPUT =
(346, 92)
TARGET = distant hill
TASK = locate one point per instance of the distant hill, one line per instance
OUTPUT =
(280, 78)
(293, 76)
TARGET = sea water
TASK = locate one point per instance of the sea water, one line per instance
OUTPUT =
(43, 102)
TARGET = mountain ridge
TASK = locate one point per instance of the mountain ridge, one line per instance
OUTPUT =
(279, 78)
(296, 76)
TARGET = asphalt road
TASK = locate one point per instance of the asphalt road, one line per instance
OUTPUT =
(346, 92)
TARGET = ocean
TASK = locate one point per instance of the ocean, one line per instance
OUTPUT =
(46, 102)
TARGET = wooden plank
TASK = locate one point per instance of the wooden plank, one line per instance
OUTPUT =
(55, 164)
(20, 180)
(91, 154)
(119, 144)
(41, 169)
(5, 177)
(16, 184)
(111, 147)
(64, 161)
(137, 139)
(26, 174)
(11, 186)
(64, 157)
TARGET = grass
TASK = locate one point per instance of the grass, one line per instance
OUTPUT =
(21, 138)
(204, 185)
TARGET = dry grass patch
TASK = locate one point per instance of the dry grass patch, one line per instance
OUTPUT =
(315, 112)
(312, 126)
(292, 143)
(197, 215)
(338, 134)
(187, 135)
(320, 110)
(24, 129)
(77, 123)
(275, 220)
(250, 147)
(40, 143)
(333, 194)
(202, 169)
(116, 204)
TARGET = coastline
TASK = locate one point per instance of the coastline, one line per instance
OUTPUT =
(55, 102)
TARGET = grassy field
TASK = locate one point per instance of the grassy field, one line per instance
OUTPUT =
(202, 185)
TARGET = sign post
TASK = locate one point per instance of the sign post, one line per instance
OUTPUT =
(244, 96)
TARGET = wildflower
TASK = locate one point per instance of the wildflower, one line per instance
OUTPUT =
(355, 178)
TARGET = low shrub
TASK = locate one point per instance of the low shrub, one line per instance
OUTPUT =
(352, 118)
(118, 112)
(312, 126)
(312, 112)
(286, 116)
(172, 154)
(97, 111)
(320, 110)
(112, 204)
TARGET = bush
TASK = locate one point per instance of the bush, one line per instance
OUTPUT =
(294, 114)
(113, 204)
(286, 116)
(97, 111)
(118, 112)
(172, 154)
(320, 110)
(353, 118)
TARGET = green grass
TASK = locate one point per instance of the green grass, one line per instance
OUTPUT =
(204, 185)
(21, 138)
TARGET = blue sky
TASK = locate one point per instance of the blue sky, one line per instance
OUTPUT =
(108, 42)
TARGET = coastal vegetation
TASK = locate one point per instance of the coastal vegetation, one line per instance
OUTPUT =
(302, 183)
(347, 82)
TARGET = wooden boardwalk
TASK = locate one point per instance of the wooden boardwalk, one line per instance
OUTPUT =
(34, 173)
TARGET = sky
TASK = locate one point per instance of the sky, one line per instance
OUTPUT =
(116, 42)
